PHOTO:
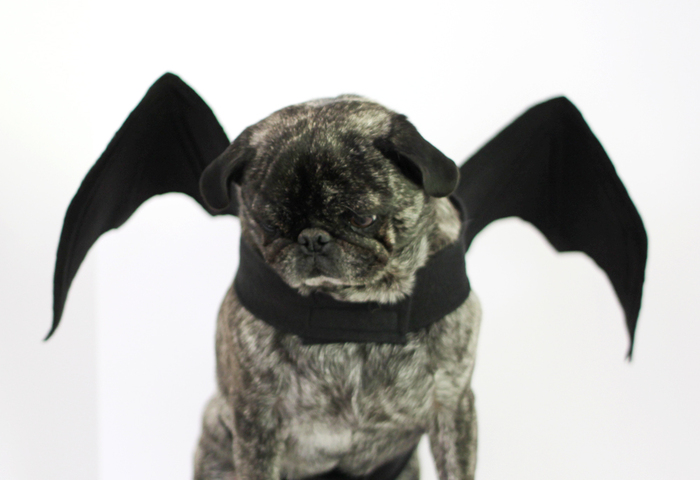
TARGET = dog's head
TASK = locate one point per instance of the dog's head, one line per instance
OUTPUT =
(341, 195)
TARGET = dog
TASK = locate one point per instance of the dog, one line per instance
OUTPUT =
(350, 329)
(330, 209)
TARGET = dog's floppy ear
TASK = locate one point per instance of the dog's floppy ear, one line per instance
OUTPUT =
(418, 159)
(215, 184)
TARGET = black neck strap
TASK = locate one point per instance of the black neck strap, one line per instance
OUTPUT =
(441, 286)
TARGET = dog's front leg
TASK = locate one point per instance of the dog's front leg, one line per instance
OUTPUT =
(256, 439)
(453, 438)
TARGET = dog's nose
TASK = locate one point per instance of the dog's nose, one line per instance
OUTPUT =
(314, 240)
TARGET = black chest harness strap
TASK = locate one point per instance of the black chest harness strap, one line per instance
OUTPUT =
(388, 471)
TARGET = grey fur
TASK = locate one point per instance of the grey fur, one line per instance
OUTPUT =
(288, 410)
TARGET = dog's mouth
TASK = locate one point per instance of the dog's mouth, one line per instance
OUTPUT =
(321, 272)
(331, 271)
(324, 281)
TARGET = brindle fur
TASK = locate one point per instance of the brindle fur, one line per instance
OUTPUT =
(288, 410)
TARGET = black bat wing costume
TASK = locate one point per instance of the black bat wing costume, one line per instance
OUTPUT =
(546, 167)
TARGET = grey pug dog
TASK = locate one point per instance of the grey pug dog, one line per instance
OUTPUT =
(330, 210)
(341, 202)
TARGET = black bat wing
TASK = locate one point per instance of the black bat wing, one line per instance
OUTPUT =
(163, 146)
(548, 168)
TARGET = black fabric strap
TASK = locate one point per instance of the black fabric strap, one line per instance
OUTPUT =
(389, 471)
(441, 286)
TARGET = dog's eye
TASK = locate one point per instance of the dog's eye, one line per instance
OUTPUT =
(267, 227)
(362, 222)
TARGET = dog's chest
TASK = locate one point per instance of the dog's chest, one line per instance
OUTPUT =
(341, 398)
(351, 406)
(359, 386)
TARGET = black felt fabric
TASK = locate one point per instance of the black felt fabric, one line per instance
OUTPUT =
(546, 167)
(163, 146)
(389, 471)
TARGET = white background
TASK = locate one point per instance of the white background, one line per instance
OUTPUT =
(117, 393)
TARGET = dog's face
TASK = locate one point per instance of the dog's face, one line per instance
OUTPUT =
(336, 194)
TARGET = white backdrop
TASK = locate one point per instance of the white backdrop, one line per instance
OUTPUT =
(118, 392)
